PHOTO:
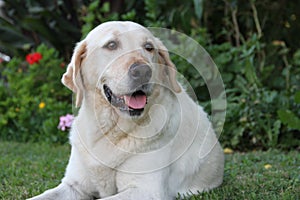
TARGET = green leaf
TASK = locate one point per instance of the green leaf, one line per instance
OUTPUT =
(223, 58)
(89, 18)
(296, 57)
(94, 5)
(289, 118)
(105, 7)
(250, 72)
(198, 8)
(297, 97)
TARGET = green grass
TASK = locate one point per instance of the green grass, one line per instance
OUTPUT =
(29, 169)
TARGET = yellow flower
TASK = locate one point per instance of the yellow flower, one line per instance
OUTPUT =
(287, 24)
(243, 119)
(42, 105)
(268, 166)
(293, 17)
(228, 151)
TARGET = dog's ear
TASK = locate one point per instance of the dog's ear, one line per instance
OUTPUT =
(171, 69)
(72, 77)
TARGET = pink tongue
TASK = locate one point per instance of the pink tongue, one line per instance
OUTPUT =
(136, 102)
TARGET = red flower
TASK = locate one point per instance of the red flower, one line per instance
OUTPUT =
(33, 58)
(62, 65)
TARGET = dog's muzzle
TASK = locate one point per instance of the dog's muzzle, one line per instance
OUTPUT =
(133, 102)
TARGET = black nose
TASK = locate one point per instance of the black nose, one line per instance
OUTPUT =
(140, 73)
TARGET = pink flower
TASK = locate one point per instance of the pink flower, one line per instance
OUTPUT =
(65, 122)
(33, 58)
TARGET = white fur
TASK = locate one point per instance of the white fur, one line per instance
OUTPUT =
(170, 149)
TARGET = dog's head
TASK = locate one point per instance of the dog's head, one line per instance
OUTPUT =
(123, 62)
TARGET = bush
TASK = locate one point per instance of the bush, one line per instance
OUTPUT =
(262, 86)
(27, 24)
(33, 98)
(262, 89)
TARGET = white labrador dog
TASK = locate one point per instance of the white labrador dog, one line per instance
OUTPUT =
(138, 134)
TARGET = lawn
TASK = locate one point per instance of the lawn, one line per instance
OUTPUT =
(29, 169)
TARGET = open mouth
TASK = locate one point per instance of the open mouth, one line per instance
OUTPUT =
(133, 103)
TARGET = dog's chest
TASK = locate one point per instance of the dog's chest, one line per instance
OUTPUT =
(104, 180)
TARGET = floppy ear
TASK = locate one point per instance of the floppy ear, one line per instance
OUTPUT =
(171, 70)
(72, 78)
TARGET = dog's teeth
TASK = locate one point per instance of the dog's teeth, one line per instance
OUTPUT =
(119, 101)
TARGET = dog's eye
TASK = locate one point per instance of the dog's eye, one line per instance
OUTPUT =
(111, 45)
(148, 46)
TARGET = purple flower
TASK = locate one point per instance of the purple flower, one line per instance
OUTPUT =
(65, 122)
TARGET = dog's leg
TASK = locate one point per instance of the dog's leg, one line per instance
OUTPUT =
(149, 186)
(135, 193)
(139, 193)
(62, 191)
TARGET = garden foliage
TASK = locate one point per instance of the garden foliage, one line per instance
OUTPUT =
(254, 46)
(32, 97)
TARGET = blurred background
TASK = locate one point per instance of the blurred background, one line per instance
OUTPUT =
(255, 45)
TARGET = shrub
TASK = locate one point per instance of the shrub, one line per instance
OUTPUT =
(32, 97)
(27, 24)
(262, 93)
